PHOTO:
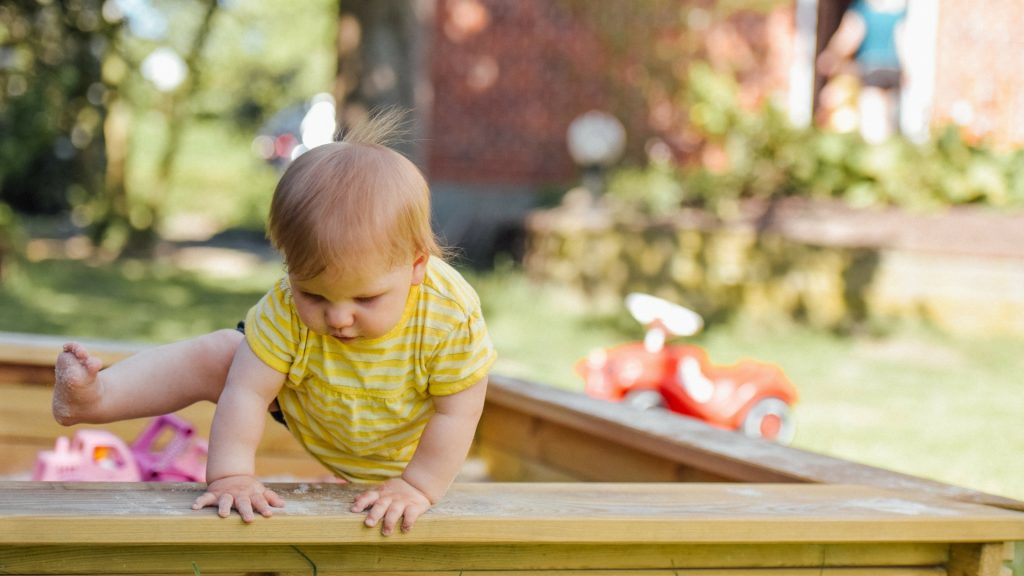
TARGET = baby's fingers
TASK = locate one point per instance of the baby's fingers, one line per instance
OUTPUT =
(263, 503)
(379, 509)
(391, 518)
(225, 503)
(365, 500)
(273, 499)
(412, 513)
(206, 499)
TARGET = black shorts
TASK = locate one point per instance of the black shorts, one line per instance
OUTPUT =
(277, 415)
(880, 77)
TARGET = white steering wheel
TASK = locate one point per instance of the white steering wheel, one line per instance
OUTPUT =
(675, 319)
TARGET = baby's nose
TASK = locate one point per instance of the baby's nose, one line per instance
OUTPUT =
(340, 316)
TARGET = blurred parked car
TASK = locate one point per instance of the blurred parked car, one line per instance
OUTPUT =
(296, 129)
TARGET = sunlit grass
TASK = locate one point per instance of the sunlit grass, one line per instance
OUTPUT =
(132, 300)
(914, 401)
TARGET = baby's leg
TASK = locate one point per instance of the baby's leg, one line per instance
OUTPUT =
(150, 383)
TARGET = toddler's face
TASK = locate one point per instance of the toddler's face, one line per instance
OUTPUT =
(356, 307)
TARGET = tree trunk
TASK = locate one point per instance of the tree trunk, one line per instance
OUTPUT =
(142, 238)
(382, 61)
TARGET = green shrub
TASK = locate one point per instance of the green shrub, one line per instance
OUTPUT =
(767, 157)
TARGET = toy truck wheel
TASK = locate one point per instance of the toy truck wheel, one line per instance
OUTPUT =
(771, 419)
(644, 399)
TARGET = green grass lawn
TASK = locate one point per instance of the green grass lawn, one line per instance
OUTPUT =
(914, 400)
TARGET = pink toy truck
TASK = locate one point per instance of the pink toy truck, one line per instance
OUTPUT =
(181, 458)
(168, 450)
(90, 456)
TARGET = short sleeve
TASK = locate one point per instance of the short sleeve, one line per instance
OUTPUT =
(273, 330)
(463, 358)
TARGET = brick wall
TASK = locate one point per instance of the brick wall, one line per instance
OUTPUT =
(508, 79)
(510, 75)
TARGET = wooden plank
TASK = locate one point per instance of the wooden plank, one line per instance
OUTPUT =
(634, 556)
(45, 559)
(26, 374)
(597, 572)
(701, 572)
(573, 452)
(150, 560)
(506, 466)
(874, 571)
(42, 350)
(693, 444)
(56, 559)
(984, 559)
(123, 514)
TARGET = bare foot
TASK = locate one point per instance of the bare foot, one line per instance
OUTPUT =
(77, 389)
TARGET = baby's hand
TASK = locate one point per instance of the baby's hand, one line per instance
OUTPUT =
(393, 500)
(243, 493)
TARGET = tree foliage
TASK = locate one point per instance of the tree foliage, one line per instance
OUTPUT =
(73, 95)
(51, 102)
(761, 155)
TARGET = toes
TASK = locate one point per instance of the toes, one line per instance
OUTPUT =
(76, 350)
(93, 365)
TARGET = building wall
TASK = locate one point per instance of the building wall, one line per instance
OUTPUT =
(979, 79)
(508, 79)
(510, 75)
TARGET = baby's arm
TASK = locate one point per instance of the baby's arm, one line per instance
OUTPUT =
(237, 428)
(438, 458)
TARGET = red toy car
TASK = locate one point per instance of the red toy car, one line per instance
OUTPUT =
(752, 397)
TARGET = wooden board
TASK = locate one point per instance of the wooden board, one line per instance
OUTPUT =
(100, 513)
(42, 350)
(417, 560)
(29, 358)
(563, 528)
(520, 415)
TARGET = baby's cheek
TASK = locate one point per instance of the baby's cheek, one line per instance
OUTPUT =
(309, 316)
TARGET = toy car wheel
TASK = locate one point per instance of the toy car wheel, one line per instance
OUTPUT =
(644, 399)
(771, 419)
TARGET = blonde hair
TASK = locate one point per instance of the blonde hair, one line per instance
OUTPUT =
(353, 205)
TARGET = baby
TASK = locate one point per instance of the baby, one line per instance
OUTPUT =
(372, 350)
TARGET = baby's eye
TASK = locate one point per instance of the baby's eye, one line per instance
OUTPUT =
(367, 299)
(313, 297)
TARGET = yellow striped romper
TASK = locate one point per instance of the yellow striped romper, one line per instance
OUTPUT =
(360, 407)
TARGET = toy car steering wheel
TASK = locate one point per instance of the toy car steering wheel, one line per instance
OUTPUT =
(675, 319)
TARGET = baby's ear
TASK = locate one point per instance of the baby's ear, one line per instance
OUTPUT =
(419, 268)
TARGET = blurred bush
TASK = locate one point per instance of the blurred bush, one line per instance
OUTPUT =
(85, 129)
(759, 154)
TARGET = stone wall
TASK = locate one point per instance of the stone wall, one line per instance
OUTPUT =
(817, 263)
